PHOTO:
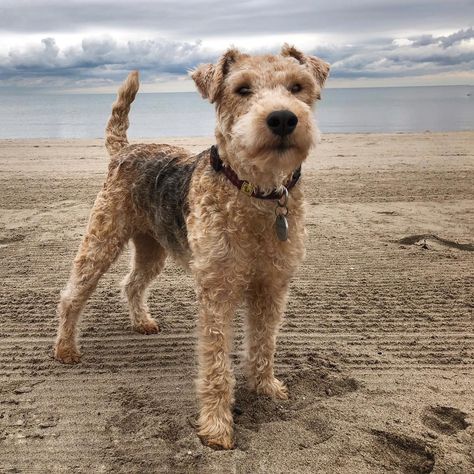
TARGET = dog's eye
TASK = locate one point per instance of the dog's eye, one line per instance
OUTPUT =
(244, 90)
(295, 88)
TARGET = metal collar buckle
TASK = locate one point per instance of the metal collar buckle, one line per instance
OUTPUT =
(247, 188)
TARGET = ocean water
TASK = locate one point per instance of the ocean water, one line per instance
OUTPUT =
(398, 109)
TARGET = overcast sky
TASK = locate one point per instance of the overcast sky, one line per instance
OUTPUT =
(72, 45)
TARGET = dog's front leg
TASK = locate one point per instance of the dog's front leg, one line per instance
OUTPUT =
(215, 382)
(266, 300)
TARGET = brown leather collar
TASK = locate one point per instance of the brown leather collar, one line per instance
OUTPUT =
(245, 186)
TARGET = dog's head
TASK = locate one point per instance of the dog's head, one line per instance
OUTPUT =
(265, 125)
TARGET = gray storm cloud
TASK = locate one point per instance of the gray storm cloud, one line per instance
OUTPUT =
(416, 56)
(98, 61)
(445, 41)
(103, 58)
(367, 39)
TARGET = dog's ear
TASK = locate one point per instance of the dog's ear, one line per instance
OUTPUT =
(318, 67)
(209, 77)
(203, 76)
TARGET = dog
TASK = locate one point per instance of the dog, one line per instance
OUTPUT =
(233, 215)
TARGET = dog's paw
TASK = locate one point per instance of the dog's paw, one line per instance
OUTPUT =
(66, 353)
(147, 326)
(272, 388)
(217, 443)
(216, 433)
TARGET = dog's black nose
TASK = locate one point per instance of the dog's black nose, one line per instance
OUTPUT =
(282, 122)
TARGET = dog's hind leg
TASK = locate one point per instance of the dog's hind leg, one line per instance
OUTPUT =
(148, 260)
(104, 240)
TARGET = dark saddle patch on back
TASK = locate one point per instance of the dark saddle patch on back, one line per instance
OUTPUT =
(162, 191)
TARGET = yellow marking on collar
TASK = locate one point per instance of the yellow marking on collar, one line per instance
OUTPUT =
(247, 188)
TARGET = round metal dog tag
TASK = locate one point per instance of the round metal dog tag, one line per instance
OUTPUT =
(281, 227)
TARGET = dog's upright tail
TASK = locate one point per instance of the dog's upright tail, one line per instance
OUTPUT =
(116, 131)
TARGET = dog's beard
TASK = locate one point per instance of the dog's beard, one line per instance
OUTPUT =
(267, 166)
(285, 143)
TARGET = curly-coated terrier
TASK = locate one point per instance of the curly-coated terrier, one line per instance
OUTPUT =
(233, 215)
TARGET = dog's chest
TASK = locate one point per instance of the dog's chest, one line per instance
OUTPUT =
(263, 248)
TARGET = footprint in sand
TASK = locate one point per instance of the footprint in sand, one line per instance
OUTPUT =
(408, 455)
(314, 381)
(296, 424)
(444, 420)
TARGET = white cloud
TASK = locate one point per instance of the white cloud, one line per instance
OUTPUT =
(402, 42)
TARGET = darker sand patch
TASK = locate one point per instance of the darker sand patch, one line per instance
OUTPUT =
(444, 420)
(12, 239)
(388, 213)
(430, 241)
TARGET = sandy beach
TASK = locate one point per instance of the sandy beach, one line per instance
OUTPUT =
(377, 347)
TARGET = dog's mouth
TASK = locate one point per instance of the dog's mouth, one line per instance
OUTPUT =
(284, 145)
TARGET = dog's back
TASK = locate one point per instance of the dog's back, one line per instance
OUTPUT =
(159, 178)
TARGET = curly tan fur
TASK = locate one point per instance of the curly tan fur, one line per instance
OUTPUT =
(168, 202)
(117, 126)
